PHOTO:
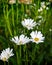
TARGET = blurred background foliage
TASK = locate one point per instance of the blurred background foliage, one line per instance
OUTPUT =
(40, 54)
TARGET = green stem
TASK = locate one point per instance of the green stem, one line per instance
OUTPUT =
(26, 56)
(26, 8)
(31, 62)
(17, 11)
(4, 63)
(20, 51)
(16, 51)
(22, 9)
(8, 62)
(13, 19)
(4, 17)
(7, 18)
(12, 15)
(17, 14)
(31, 56)
(32, 1)
(18, 54)
(17, 58)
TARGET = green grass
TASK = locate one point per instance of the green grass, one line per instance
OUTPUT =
(11, 17)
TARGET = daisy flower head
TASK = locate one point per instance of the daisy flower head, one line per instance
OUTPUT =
(6, 54)
(21, 40)
(28, 23)
(37, 36)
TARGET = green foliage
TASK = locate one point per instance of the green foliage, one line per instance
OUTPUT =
(11, 17)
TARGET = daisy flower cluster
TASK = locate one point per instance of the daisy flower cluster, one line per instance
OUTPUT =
(35, 36)
(30, 25)
(6, 54)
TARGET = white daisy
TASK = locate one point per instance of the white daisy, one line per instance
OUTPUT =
(37, 37)
(6, 54)
(29, 23)
(21, 40)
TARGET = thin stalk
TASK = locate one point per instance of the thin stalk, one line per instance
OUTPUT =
(4, 17)
(4, 63)
(22, 9)
(26, 56)
(26, 7)
(18, 54)
(7, 18)
(31, 57)
(26, 53)
(15, 48)
(33, 54)
(18, 58)
(32, 1)
(12, 15)
(31, 62)
(38, 6)
(17, 13)
(20, 51)
(8, 26)
(13, 19)
(45, 15)
(8, 62)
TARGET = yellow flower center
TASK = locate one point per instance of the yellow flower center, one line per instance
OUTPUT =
(4, 59)
(36, 39)
(20, 42)
(27, 25)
